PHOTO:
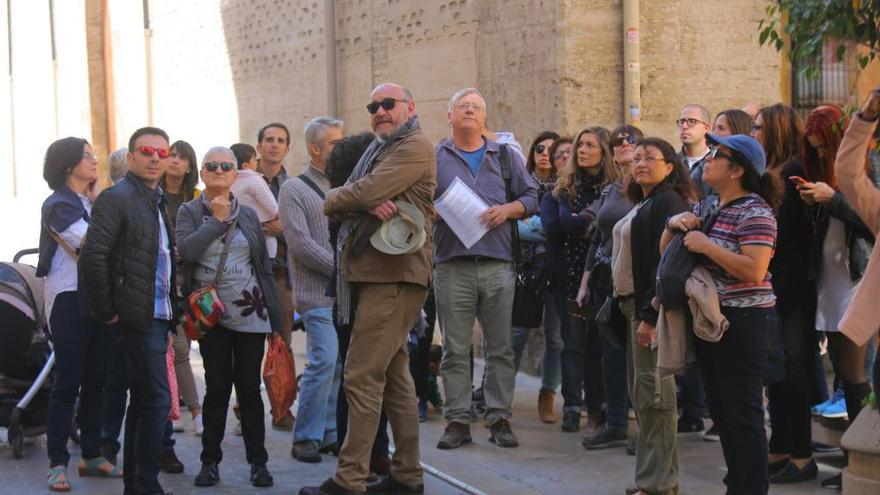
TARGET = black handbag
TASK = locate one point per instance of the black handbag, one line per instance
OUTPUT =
(677, 263)
(528, 299)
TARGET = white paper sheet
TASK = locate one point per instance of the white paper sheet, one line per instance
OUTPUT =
(460, 208)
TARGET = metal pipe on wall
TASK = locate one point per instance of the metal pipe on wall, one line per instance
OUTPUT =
(109, 93)
(330, 57)
(632, 80)
(148, 48)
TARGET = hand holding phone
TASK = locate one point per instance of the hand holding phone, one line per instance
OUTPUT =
(797, 180)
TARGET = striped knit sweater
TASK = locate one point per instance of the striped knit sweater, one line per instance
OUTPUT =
(308, 239)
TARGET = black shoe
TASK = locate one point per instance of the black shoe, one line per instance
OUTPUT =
(209, 475)
(690, 425)
(793, 474)
(775, 467)
(835, 482)
(605, 437)
(454, 436)
(260, 476)
(305, 452)
(328, 487)
(713, 434)
(571, 421)
(170, 463)
(390, 486)
(501, 435)
(330, 449)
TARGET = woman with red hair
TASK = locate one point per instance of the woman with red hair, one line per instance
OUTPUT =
(841, 250)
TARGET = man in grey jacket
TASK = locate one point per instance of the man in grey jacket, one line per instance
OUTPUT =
(301, 207)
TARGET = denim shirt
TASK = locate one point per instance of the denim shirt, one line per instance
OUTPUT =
(162, 304)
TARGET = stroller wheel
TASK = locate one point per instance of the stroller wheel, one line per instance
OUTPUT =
(15, 434)
(74, 425)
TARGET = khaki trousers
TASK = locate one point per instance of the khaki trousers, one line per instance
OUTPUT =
(653, 399)
(377, 371)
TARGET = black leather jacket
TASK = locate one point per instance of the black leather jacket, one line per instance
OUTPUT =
(118, 259)
(859, 239)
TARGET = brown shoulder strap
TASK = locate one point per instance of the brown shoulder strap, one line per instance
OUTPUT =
(64, 244)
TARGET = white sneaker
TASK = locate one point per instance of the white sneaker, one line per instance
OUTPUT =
(177, 425)
(198, 426)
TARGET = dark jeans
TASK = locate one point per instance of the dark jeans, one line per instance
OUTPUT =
(581, 366)
(149, 403)
(733, 372)
(233, 358)
(790, 399)
(80, 345)
(613, 371)
(115, 397)
(380, 444)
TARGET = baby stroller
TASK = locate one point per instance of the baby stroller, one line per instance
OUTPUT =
(25, 358)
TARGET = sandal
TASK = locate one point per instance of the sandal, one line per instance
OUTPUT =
(58, 479)
(99, 467)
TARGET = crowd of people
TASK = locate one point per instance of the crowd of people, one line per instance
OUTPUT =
(679, 284)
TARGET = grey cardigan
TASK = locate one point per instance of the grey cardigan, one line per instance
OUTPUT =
(194, 235)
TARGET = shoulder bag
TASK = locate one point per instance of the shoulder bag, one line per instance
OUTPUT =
(203, 308)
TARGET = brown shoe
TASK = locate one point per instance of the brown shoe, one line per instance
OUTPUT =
(285, 423)
(545, 406)
(594, 422)
(455, 435)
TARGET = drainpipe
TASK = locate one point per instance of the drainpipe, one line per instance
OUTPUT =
(54, 63)
(632, 97)
(11, 99)
(109, 93)
(148, 47)
(330, 56)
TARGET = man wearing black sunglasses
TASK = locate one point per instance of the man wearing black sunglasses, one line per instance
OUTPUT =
(382, 294)
(128, 272)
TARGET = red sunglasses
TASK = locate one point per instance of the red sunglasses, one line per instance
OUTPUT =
(149, 151)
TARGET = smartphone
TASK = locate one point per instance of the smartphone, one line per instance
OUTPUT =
(798, 180)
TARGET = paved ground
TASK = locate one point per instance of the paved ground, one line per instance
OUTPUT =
(548, 462)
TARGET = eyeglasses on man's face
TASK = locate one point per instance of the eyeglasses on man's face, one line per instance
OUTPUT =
(689, 122)
(387, 104)
(149, 151)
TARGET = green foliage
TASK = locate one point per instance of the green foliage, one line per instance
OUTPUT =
(810, 23)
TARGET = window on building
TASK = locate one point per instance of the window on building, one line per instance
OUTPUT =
(836, 82)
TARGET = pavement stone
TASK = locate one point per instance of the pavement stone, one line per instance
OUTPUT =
(547, 462)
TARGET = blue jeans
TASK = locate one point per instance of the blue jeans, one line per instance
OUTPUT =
(316, 414)
(551, 371)
(148, 406)
(80, 345)
(115, 397)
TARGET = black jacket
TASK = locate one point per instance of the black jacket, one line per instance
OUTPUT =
(859, 239)
(194, 235)
(118, 261)
(647, 227)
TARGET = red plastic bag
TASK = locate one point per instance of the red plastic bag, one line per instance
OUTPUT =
(279, 375)
(174, 413)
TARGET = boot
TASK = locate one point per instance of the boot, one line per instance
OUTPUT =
(855, 393)
(545, 406)
(594, 422)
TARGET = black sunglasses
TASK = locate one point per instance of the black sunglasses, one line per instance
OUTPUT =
(540, 149)
(224, 166)
(387, 104)
(715, 153)
(618, 141)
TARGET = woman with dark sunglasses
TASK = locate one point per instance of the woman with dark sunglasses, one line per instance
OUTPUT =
(736, 253)
(779, 130)
(596, 288)
(216, 233)
(539, 164)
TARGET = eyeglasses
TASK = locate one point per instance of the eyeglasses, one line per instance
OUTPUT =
(149, 151)
(540, 149)
(618, 141)
(715, 153)
(688, 123)
(90, 156)
(387, 104)
(213, 166)
(473, 106)
(646, 159)
(560, 154)
(756, 127)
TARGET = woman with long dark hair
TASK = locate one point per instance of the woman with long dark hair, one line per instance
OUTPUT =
(596, 287)
(779, 130)
(731, 122)
(660, 188)
(79, 342)
(568, 215)
(736, 254)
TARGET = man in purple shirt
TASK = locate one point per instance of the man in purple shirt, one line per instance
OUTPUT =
(478, 282)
